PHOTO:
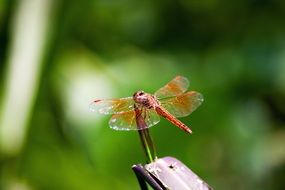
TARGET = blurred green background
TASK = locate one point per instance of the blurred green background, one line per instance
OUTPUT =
(58, 56)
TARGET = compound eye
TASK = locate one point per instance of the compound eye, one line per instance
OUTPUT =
(141, 93)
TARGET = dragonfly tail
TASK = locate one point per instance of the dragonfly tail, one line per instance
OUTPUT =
(164, 113)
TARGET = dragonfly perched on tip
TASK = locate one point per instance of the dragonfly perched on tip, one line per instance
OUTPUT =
(171, 101)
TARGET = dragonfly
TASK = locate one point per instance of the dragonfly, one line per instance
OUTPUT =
(171, 102)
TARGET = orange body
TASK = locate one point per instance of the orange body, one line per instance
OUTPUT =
(171, 102)
(164, 113)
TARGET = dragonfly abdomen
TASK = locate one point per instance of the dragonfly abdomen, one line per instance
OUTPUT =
(164, 113)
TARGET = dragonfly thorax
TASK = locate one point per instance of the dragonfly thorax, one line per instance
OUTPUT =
(145, 99)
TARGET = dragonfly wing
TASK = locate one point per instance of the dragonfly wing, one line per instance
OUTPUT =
(112, 106)
(175, 87)
(151, 117)
(127, 121)
(184, 104)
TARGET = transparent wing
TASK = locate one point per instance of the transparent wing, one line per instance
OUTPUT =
(182, 105)
(127, 121)
(175, 87)
(112, 106)
(150, 117)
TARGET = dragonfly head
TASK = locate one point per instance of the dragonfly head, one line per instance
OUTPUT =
(140, 97)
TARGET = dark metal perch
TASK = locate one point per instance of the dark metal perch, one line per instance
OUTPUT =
(168, 173)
